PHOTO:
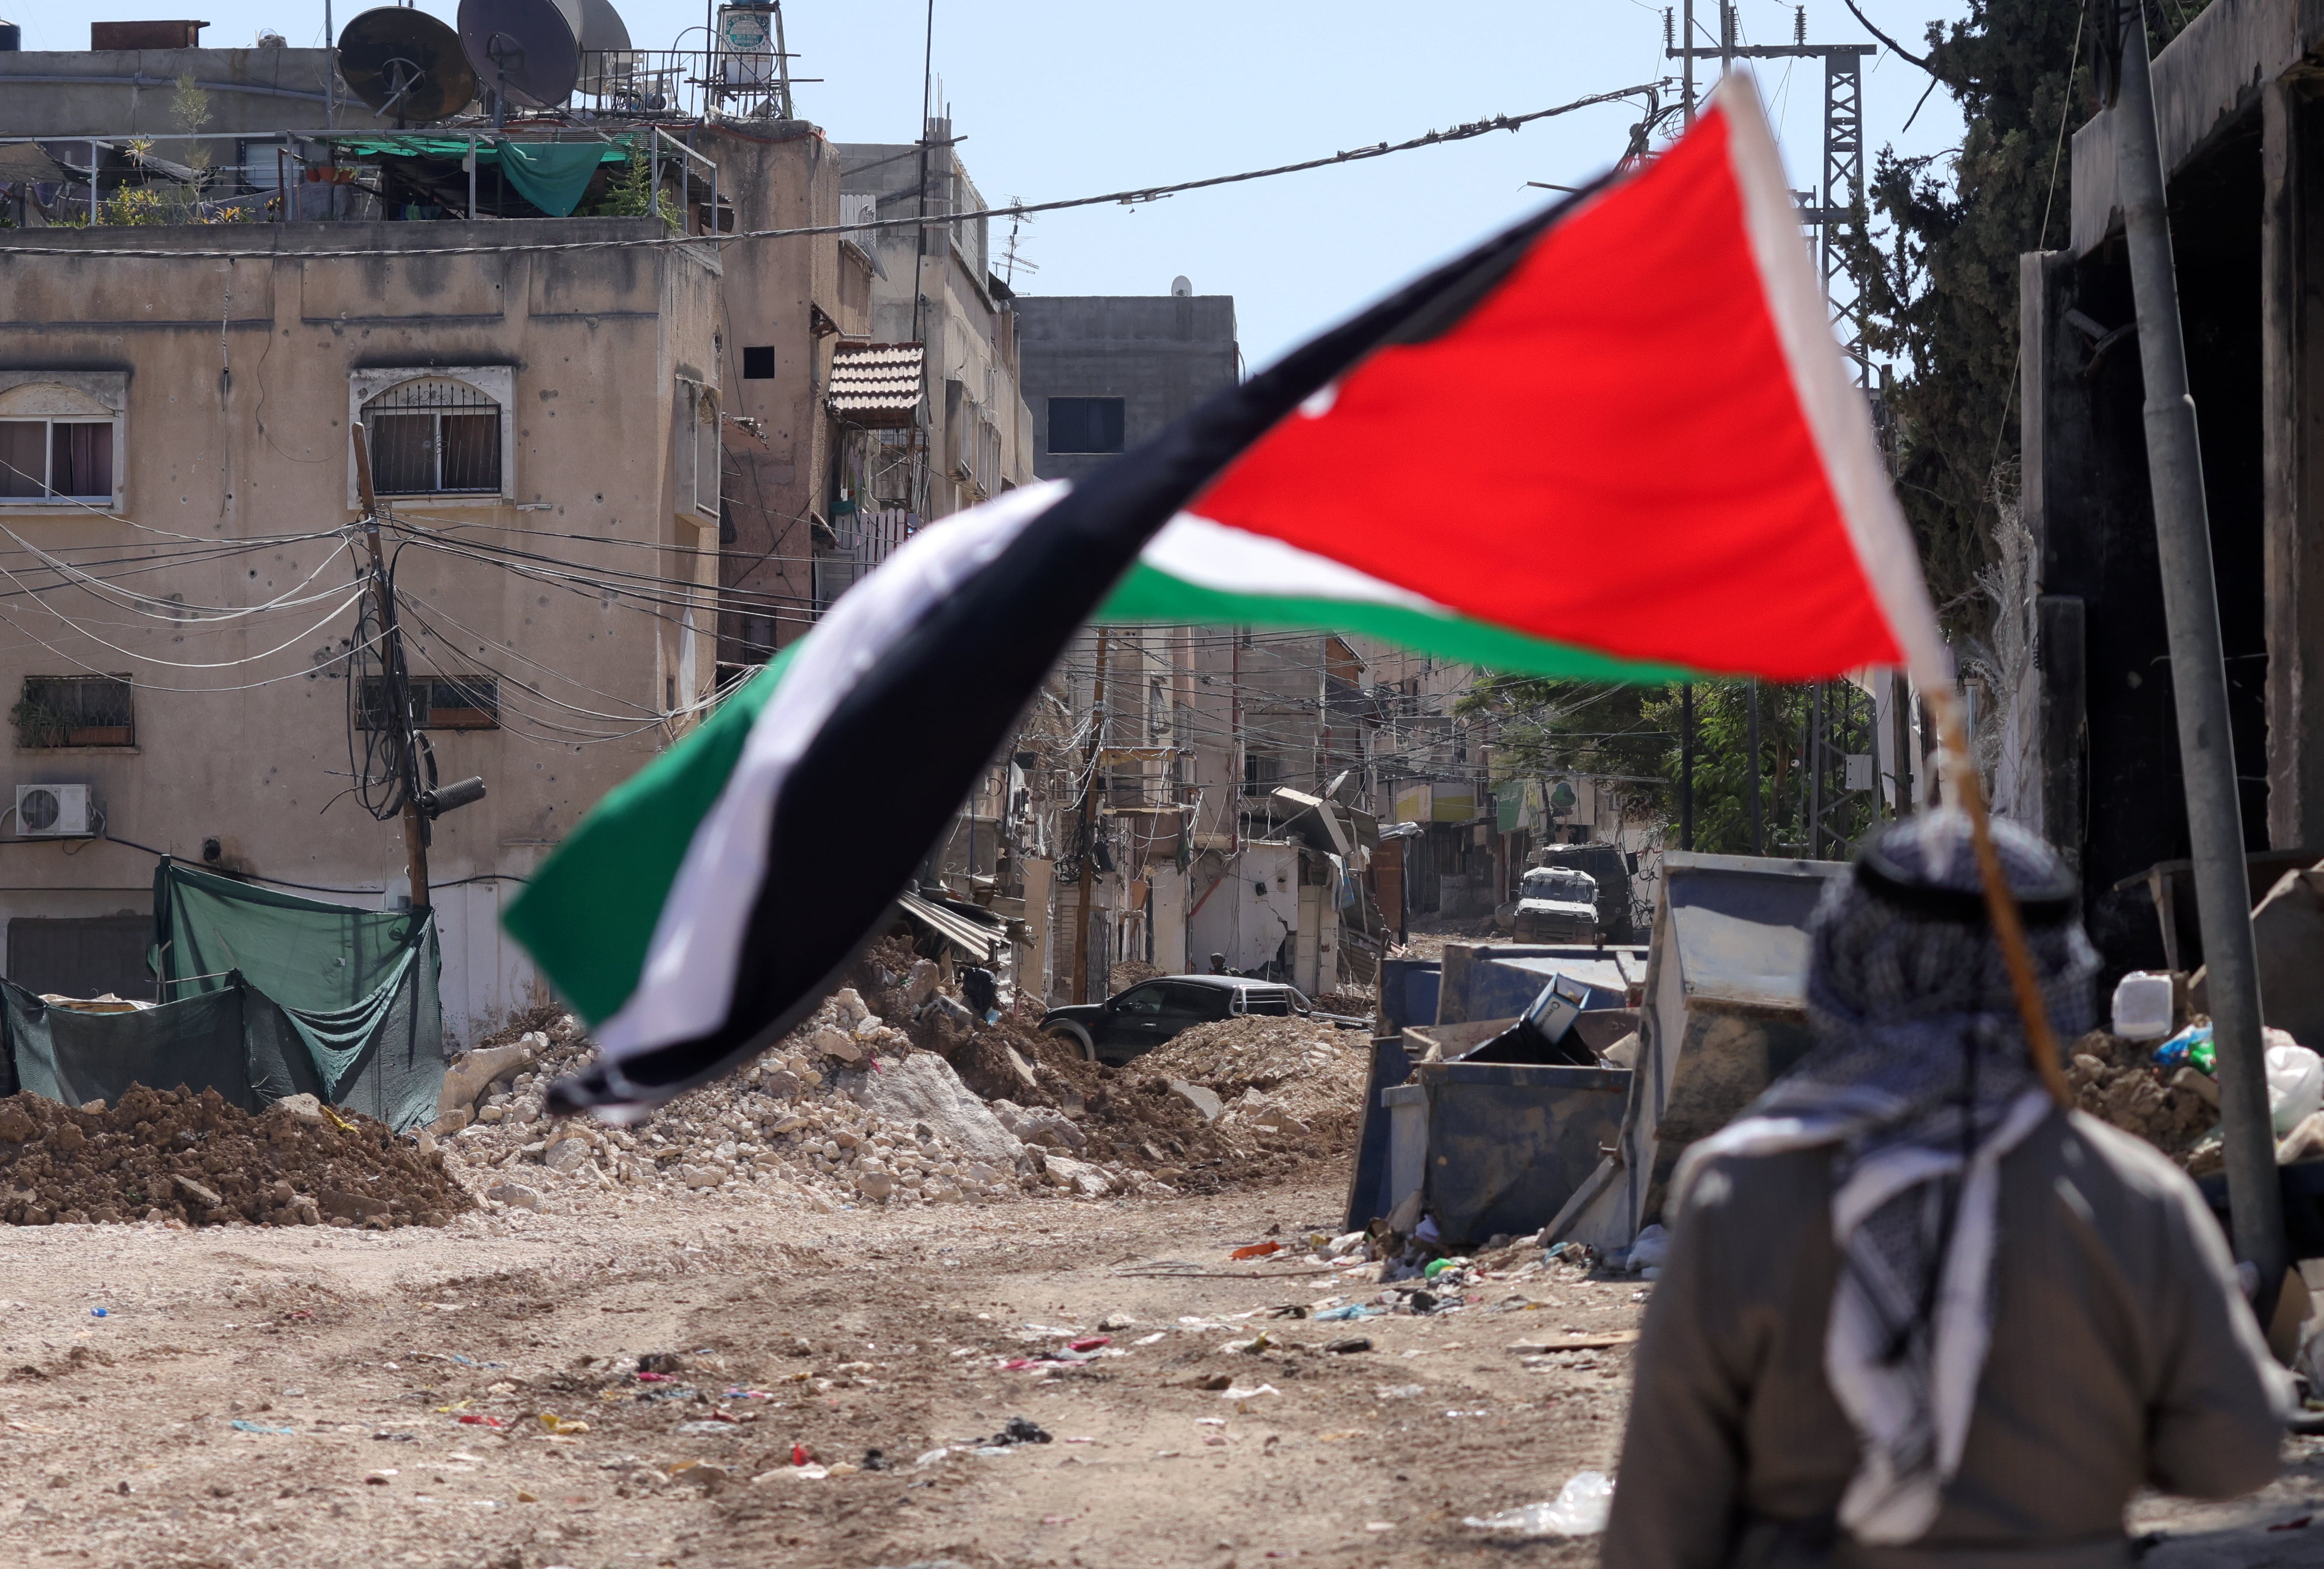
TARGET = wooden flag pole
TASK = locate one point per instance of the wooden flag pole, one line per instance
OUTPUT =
(2001, 905)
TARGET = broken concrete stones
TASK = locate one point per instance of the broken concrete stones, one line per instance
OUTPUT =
(1039, 1125)
(923, 1088)
(303, 1108)
(565, 1156)
(1077, 1176)
(473, 1072)
(514, 1194)
(1204, 1101)
(833, 1041)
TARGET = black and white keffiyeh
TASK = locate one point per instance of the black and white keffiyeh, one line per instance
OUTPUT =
(1919, 1074)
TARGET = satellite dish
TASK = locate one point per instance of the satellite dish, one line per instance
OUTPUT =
(529, 52)
(405, 64)
(607, 63)
(602, 27)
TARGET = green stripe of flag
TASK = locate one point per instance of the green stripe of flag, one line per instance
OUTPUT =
(588, 914)
(1148, 595)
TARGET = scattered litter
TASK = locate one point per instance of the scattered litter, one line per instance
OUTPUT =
(1400, 1392)
(1354, 1342)
(1580, 1509)
(1257, 1250)
(1017, 1431)
(1237, 1392)
(1353, 1310)
(240, 1425)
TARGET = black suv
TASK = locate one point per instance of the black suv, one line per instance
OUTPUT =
(1131, 1023)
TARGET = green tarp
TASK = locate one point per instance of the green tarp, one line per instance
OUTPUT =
(337, 1001)
(77, 1057)
(551, 175)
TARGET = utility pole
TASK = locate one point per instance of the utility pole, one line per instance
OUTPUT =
(2198, 676)
(1758, 831)
(1839, 216)
(1686, 68)
(1089, 828)
(1686, 765)
(395, 696)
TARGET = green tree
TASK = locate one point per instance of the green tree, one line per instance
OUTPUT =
(1545, 728)
(1938, 273)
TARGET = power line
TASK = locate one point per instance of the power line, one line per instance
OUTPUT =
(1129, 198)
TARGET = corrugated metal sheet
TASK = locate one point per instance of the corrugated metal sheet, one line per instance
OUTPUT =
(878, 384)
(980, 941)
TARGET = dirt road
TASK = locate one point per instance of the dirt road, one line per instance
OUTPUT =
(295, 1395)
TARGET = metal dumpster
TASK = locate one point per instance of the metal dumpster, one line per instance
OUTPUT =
(1724, 1014)
(1507, 1144)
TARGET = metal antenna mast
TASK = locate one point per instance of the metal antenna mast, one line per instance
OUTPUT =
(1836, 213)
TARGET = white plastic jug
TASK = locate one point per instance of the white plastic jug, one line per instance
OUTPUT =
(2142, 1005)
(2295, 1080)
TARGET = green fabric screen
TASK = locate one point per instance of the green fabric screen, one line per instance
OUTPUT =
(551, 175)
(338, 1002)
(77, 1057)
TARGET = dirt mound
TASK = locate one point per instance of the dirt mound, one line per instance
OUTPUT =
(1313, 1071)
(2116, 1081)
(1354, 1004)
(172, 1155)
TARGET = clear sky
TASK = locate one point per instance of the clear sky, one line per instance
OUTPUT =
(1064, 99)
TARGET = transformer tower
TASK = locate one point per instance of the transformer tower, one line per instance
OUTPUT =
(1840, 798)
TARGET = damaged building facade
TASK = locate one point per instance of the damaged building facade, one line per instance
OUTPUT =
(604, 463)
(2091, 717)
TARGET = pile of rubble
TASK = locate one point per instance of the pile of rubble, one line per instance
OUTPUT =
(844, 1111)
(173, 1156)
(906, 1099)
(1283, 1075)
(2116, 1081)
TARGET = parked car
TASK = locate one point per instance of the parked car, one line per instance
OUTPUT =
(1133, 1022)
(1556, 904)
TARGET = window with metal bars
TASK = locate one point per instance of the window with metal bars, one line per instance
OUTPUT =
(437, 703)
(76, 711)
(434, 437)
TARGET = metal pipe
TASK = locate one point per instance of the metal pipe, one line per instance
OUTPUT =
(1686, 766)
(471, 178)
(2198, 677)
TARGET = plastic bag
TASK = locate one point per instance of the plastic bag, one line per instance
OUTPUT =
(2142, 1006)
(2191, 1046)
(2295, 1080)
(1580, 1509)
(1652, 1248)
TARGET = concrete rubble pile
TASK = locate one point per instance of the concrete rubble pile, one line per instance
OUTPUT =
(844, 1111)
(854, 1107)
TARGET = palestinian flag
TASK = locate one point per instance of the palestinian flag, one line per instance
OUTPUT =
(1617, 440)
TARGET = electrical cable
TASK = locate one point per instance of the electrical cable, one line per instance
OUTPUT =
(1129, 198)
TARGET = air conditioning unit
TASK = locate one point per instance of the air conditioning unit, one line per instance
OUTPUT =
(53, 811)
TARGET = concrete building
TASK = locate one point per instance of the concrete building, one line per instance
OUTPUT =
(790, 303)
(2093, 760)
(1106, 371)
(932, 287)
(189, 637)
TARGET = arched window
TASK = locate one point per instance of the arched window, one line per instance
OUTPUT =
(434, 436)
